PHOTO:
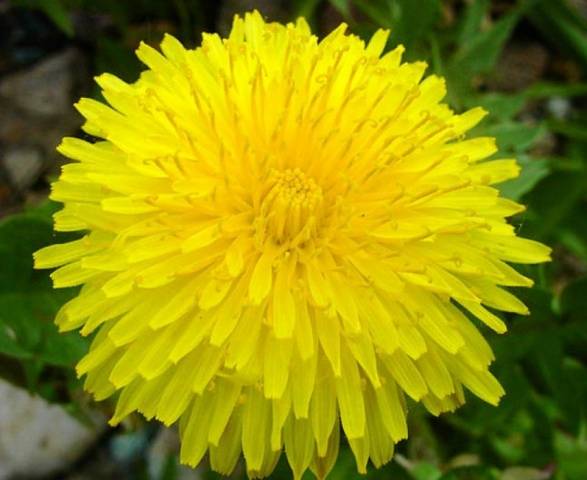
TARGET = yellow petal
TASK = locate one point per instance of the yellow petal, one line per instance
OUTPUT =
(299, 444)
(276, 366)
(406, 374)
(350, 397)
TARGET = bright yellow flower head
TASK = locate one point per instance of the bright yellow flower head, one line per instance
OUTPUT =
(285, 236)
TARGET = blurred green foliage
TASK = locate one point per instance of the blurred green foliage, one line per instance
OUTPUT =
(540, 429)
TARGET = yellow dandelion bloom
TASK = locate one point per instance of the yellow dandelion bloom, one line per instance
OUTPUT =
(285, 238)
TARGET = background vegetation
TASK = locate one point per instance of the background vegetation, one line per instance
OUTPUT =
(525, 61)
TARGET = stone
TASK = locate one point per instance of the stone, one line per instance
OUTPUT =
(23, 166)
(45, 88)
(38, 439)
(36, 112)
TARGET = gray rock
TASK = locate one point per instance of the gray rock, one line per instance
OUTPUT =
(36, 438)
(36, 112)
(23, 166)
(46, 88)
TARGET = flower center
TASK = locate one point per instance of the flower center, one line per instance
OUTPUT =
(291, 207)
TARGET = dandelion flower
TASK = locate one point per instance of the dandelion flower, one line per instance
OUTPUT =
(285, 239)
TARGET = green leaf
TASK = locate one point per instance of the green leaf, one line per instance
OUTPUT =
(477, 56)
(170, 470)
(547, 358)
(575, 130)
(471, 20)
(20, 236)
(533, 170)
(482, 51)
(513, 136)
(28, 303)
(573, 237)
(539, 438)
(414, 20)
(552, 200)
(500, 106)
(411, 23)
(343, 6)
(572, 456)
(573, 300)
(304, 8)
(571, 395)
(9, 344)
(378, 11)
(562, 25)
(344, 468)
(425, 471)
(471, 472)
(28, 319)
(57, 12)
(551, 89)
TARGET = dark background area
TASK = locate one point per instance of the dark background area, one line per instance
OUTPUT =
(525, 61)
